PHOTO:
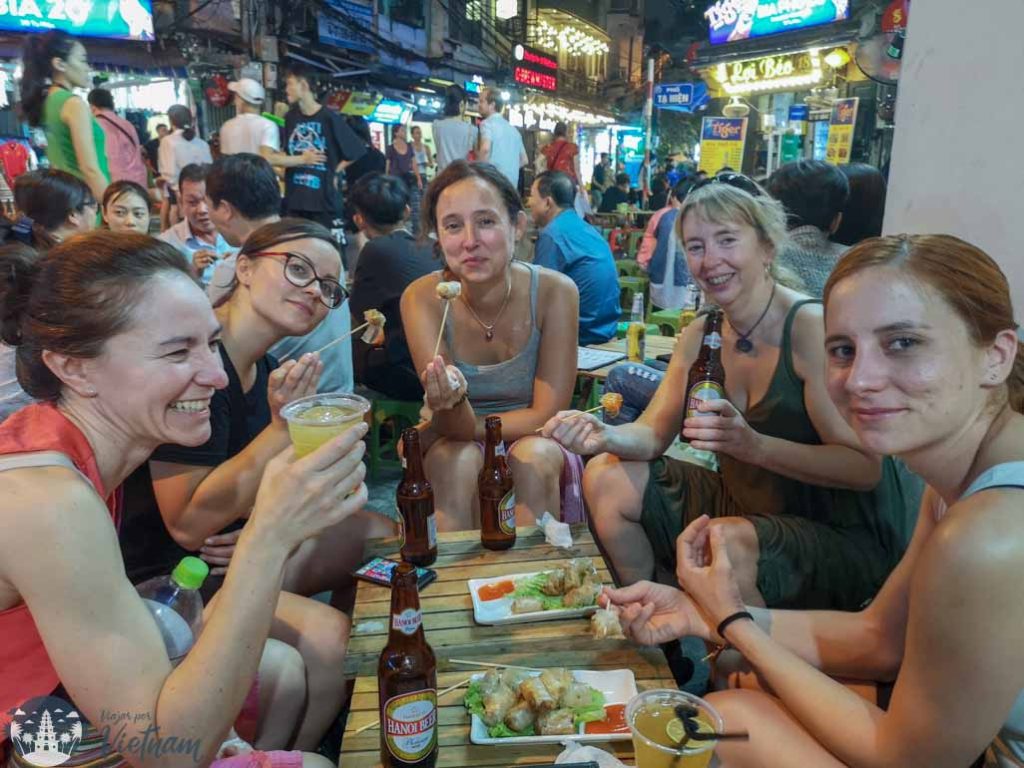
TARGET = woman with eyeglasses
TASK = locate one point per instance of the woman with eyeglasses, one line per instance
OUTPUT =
(811, 518)
(197, 499)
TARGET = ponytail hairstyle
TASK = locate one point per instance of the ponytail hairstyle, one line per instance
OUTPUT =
(37, 69)
(181, 117)
(46, 198)
(967, 278)
(74, 298)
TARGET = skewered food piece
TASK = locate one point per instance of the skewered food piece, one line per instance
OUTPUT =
(537, 695)
(611, 403)
(449, 290)
(498, 698)
(555, 723)
(556, 681)
(575, 695)
(582, 596)
(520, 717)
(605, 623)
(376, 317)
(527, 605)
(578, 571)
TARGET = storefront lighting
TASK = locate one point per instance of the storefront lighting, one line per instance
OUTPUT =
(506, 96)
(571, 40)
(784, 83)
(837, 58)
(544, 114)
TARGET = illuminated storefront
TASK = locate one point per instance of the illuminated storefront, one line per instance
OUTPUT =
(782, 66)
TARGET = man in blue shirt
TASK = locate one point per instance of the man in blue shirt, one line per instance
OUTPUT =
(569, 245)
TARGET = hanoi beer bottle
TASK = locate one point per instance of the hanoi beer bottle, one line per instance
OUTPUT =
(407, 681)
(497, 495)
(416, 503)
(707, 375)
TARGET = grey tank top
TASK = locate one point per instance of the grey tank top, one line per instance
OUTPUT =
(1008, 748)
(508, 385)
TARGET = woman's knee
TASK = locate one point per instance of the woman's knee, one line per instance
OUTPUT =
(282, 675)
(453, 458)
(537, 455)
(740, 541)
(615, 487)
(318, 631)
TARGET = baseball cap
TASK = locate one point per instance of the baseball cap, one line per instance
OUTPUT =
(249, 90)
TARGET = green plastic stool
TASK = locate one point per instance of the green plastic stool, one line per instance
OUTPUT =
(628, 286)
(398, 412)
(667, 320)
(633, 244)
(628, 268)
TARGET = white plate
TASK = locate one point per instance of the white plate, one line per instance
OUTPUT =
(618, 687)
(500, 611)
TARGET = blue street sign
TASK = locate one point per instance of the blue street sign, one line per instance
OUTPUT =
(680, 97)
(798, 112)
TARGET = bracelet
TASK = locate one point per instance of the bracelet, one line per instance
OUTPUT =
(460, 401)
(729, 620)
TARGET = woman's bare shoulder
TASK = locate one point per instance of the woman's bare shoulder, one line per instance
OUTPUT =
(552, 284)
(425, 286)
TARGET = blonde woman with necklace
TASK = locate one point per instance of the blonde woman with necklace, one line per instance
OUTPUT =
(508, 348)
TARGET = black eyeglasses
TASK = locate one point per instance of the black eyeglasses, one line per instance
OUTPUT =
(737, 180)
(300, 272)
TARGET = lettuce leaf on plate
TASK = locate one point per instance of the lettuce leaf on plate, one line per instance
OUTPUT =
(474, 702)
(531, 587)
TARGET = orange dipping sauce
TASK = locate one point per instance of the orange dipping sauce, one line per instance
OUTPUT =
(614, 721)
(497, 590)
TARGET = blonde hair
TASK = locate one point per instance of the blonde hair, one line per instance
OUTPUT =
(721, 203)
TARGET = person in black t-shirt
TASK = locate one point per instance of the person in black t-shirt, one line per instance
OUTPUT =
(312, 189)
(614, 196)
(200, 497)
(390, 260)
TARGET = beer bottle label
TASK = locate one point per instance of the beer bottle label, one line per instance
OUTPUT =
(407, 622)
(702, 391)
(499, 449)
(713, 340)
(507, 513)
(431, 531)
(410, 725)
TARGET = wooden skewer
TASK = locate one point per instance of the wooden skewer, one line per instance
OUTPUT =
(449, 689)
(338, 340)
(489, 664)
(440, 331)
(570, 418)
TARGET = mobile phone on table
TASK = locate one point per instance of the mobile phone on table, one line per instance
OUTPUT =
(379, 570)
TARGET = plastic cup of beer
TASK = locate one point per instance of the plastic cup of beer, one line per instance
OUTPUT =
(659, 739)
(314, 420)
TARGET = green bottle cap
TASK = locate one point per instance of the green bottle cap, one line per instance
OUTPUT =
(190, 573)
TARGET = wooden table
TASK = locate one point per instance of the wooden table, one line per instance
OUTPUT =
(452, 633)
(656, 345)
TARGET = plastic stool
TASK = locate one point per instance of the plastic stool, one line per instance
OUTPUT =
(628, 268)
(398, 412)
(667, 320)
(629, 286)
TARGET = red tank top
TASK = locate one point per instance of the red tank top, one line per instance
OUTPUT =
(25, 667)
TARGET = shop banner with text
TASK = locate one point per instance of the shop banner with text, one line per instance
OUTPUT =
(721, 143)
(840, 131)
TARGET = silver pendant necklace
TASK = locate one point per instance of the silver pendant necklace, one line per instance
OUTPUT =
(489, 329)
(743, 343)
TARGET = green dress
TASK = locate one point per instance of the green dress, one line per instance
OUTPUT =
(819, 547)
(59, 148)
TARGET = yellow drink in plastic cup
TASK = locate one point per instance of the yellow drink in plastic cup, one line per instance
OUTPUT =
(314, 420)
(658, 734)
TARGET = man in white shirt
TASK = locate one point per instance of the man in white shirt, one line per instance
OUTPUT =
(248, 130)
(500, 143)
(196, 236)
(454, 136)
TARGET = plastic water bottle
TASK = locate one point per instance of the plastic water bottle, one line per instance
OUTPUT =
(176, 605)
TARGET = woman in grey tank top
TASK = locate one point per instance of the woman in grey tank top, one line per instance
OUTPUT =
(924, 363)
(508, 347)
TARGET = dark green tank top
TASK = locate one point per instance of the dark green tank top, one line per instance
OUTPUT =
(781, 413)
